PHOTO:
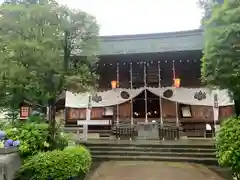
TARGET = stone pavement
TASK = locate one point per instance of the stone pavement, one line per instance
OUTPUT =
(148, 170)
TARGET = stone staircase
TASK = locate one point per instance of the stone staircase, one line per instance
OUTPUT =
(204, 154)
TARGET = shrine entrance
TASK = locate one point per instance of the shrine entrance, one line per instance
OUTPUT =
(146, 107)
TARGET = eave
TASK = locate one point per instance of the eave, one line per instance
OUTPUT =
(152, 43)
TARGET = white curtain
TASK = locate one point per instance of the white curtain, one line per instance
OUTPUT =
(180, 95)
(188, 96)
(109, 98)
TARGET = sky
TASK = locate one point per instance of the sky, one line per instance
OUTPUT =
(118, 17)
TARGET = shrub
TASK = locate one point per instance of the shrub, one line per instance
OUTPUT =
(81, 156)
(228, 145)
(5, 142)
(57, 165)
(36, 119)
(3, 123)
(61, 138)
(34, 137)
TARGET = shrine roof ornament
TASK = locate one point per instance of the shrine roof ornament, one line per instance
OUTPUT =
(200, 95)
(152, 43)
(125, 95)
(96, 98)
(168, 93)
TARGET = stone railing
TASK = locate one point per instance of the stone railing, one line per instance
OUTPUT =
(10, 163)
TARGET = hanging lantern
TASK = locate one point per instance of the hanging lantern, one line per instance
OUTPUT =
(114, 84)
(177, 82)
(24, 112)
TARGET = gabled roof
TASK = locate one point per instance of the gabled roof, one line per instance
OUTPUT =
(152, 43)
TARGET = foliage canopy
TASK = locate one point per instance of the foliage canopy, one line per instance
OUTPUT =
(45, 49)
(39, 41)
(220, 62)
(207, 6)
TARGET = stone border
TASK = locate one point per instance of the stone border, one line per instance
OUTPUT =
(8, 150)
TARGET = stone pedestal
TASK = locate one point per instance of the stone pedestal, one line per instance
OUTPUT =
(148, 131)
(10, 162)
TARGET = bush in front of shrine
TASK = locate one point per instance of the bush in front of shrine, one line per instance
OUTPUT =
(34, 136)
(70, 163)
(228, 145)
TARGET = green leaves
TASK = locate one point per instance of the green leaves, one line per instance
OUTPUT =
(31, 135)
(34, 136)
(228, 143)
(38, 40)
(66, 164)
(208, 6)
(27, 53)
(220, 62)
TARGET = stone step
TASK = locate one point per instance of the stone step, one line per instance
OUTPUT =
(147, 149)
(206, 161)
(104, 134)
(159, 154)
(197, 146)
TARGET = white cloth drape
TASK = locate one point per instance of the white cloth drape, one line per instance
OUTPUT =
(187, 96)
(184, 95)
(180, 95)
(109, 98)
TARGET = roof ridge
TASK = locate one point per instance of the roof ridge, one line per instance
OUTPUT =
(151, 35)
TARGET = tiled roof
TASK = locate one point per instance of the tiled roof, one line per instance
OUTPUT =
(151, 43)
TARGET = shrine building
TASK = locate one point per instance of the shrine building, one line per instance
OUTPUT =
(150, 78)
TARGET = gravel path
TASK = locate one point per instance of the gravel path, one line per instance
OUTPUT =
(148, 170)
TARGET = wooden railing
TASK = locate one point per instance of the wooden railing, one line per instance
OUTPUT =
(194, 132)
(125, 132)
(129, 131)
(169, 133)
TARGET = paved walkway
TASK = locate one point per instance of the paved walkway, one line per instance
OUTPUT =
(148, 170)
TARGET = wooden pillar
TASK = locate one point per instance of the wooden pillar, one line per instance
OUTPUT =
(131, 87)
(160, 98)
(176, 103)
(66, 111)
(117, 87)
(145, 92)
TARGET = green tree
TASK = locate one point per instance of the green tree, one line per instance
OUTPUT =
(207, 6)
(220, 62)
(40, 43)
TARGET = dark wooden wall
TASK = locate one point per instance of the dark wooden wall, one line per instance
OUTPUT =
(199, 113)
(80, 114)
(187, 67)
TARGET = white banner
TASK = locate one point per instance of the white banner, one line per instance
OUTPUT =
(190, 96)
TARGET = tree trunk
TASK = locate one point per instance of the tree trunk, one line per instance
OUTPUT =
(52, 122)
(237, 106)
